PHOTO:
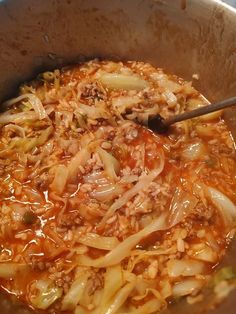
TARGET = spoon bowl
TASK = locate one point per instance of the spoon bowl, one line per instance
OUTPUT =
(160, 125)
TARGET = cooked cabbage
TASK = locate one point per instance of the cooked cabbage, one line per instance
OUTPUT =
(78, 160)
(111, 164)
(98, 214)
(73, 296)
(26, 144)
(123, 249)
(187, 286)
(184, 267)
(98, 242)
(34, 101)
(142, 184)
(182, 204)
(46, 294)
(225, 206)
(60, 179)
(9, 270)
(122, 81)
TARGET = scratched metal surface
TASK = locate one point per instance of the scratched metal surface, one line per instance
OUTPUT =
(230, 2)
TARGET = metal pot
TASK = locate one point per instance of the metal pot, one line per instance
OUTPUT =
(184, 37)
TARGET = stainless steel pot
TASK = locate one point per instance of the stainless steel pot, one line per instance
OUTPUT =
(184, 37)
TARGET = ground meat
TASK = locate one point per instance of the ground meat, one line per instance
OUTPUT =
(70, 219)
(41, 182)
(93, 91)
(202, 213)
(38, 263)
(96, 282)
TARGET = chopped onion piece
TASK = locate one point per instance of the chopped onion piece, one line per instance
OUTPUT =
(122, 81)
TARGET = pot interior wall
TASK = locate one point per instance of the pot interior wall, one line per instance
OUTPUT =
(199, 38)
(184, 37)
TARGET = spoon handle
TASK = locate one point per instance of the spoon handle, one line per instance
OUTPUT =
(201, 111)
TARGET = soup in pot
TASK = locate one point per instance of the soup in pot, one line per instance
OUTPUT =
(100, 215)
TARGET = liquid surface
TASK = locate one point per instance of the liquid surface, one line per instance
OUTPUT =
(98, 213)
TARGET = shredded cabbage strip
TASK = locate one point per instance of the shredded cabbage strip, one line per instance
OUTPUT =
(34, 101)
(124, 248)
(143, 183)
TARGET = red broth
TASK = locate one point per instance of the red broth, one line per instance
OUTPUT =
(81, 178)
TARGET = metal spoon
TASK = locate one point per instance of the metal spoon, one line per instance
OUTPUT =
(160, 125)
